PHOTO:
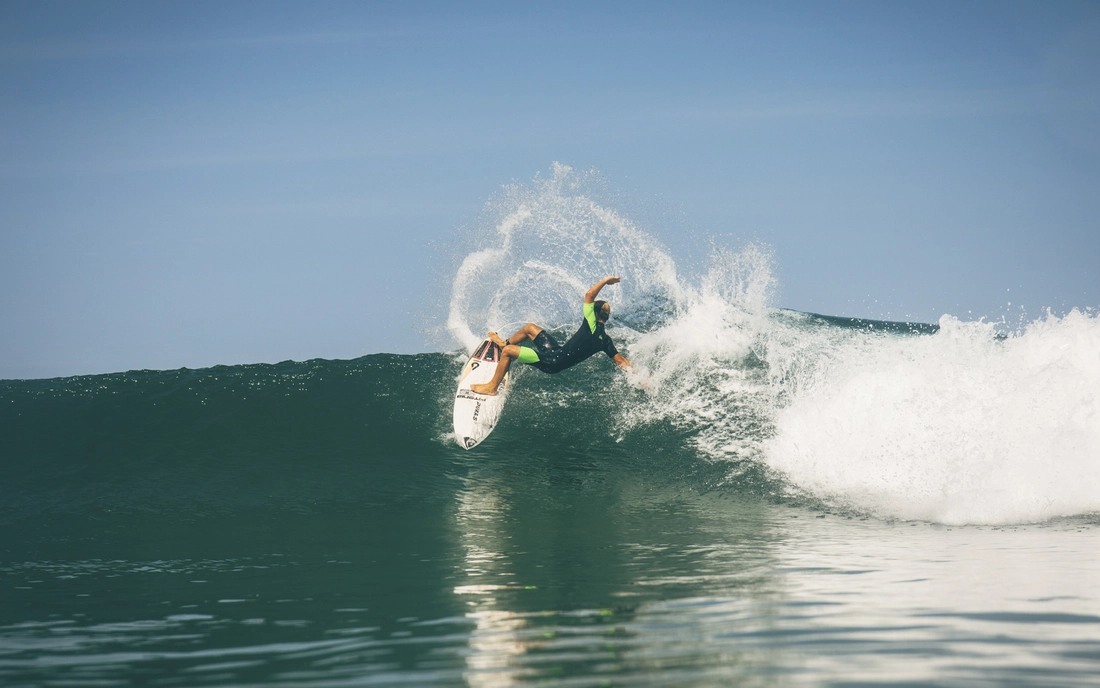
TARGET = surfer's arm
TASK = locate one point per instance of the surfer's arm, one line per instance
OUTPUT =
(625, 365)
(591, 294)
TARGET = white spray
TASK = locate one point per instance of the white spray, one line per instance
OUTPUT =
(959, 427)
(550, 242)
(956, 427)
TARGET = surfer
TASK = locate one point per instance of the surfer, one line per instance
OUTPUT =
(546, 354)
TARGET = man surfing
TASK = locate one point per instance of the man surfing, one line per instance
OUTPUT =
(545, 353)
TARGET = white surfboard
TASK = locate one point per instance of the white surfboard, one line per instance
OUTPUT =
(475, 414)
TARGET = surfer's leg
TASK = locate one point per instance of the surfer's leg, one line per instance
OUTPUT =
(507, 354)
(528, 331)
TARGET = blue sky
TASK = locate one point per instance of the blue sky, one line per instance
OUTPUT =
(188, 184)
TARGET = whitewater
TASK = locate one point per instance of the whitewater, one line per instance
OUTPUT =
(954, 423)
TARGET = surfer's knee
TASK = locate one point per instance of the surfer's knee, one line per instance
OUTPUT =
(531, 330)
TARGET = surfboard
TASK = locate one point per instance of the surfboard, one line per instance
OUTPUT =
(476, 415)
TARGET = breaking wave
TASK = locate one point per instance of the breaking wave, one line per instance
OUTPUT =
(952, 423)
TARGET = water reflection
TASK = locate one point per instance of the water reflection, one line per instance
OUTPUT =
(567, 584)
(579, 590)
(495, 645)
(915, 602)
(587, 584)
(494, 641)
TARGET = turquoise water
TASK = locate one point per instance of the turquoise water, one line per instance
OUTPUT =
(312, 524)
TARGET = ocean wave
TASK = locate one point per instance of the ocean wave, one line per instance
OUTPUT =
(953, 422)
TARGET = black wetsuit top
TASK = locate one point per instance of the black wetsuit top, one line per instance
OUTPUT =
(583, 344)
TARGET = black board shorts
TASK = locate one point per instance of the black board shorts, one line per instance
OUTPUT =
(551, 358)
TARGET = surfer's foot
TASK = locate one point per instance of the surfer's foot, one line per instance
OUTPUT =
(486, 389)
(496, 340)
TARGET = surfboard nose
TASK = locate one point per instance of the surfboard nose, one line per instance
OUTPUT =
(468, 442)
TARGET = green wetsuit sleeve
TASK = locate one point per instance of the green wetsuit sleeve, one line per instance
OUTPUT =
(527, 355)
(590, 316)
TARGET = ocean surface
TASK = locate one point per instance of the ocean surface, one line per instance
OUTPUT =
(774, 499)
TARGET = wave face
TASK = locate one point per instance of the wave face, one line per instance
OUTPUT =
(952, 423)
(198, 443)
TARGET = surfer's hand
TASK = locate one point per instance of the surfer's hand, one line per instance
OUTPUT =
(612, 280)
(636, 380)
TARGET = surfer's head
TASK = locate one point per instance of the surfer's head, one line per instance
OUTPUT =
(602, 310)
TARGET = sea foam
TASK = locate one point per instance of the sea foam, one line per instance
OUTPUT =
(958, 427)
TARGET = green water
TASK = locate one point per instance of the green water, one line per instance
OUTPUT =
(312, 525)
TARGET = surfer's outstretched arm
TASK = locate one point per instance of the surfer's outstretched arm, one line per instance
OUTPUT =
(591, 294)
(623, 363)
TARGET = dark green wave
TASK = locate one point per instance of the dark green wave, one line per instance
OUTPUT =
(299, 436)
